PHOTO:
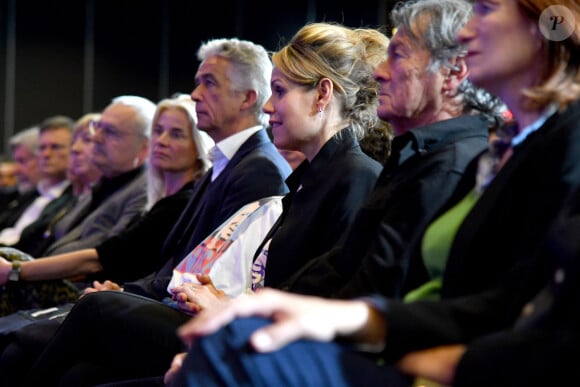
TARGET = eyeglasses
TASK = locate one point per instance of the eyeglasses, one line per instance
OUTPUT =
(109, 132)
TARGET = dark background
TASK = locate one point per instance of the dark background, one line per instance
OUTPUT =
(72, 57)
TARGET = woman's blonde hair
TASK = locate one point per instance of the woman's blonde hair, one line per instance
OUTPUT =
(346, 56)
(561, 79)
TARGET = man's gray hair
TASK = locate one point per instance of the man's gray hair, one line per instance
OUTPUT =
(251, 70)
(434, 24)
(144, 108)
(28, 138)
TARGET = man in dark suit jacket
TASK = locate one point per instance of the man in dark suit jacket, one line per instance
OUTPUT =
(232, 86)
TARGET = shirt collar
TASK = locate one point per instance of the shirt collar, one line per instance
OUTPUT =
(436, 135)
(525, 132)
(230, 145)
(53, 191)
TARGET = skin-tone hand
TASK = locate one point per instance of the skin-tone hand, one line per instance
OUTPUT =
(67, 265)
(99, 287)
(175, 367)
(436, 364)
(294, 317)
(191, 297)
(5, 267)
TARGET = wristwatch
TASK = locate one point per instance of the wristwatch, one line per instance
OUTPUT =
(14, 274)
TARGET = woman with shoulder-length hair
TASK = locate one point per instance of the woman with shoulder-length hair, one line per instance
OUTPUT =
(160, 178)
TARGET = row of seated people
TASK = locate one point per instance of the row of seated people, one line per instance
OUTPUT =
(77, 260)
(501, 305)
(384, 246)
(342, 183)
(172, 170)
(75, 190)
(60, 183)
(123, 250)
(251, 167)
(44, 181)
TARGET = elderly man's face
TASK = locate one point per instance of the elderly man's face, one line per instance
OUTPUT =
(117, 143)
(410, 94)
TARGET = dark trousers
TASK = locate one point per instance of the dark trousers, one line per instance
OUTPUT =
(225, 359)
(110, 336)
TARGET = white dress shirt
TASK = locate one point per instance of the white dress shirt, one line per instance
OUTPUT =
(223, 151)
(11, 235)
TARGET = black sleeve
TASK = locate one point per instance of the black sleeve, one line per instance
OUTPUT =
(136, 252)
(521, 358)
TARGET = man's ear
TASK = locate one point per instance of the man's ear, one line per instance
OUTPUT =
(457, 74)
(250, 98)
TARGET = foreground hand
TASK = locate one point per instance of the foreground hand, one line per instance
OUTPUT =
(436, 364)
(99, 287)
(175, 367)
(294, 317)
(191, 297)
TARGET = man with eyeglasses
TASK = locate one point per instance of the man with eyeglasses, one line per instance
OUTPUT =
(120, 148)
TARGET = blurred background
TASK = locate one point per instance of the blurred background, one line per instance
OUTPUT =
(73, 56)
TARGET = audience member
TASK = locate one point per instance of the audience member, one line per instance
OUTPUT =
(24, 151)
(82, 172)
(484, 287)
(55, 139)
(232, 85)
(120, 146)
(323, 100)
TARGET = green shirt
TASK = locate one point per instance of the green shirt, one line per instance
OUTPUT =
(436, 244)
